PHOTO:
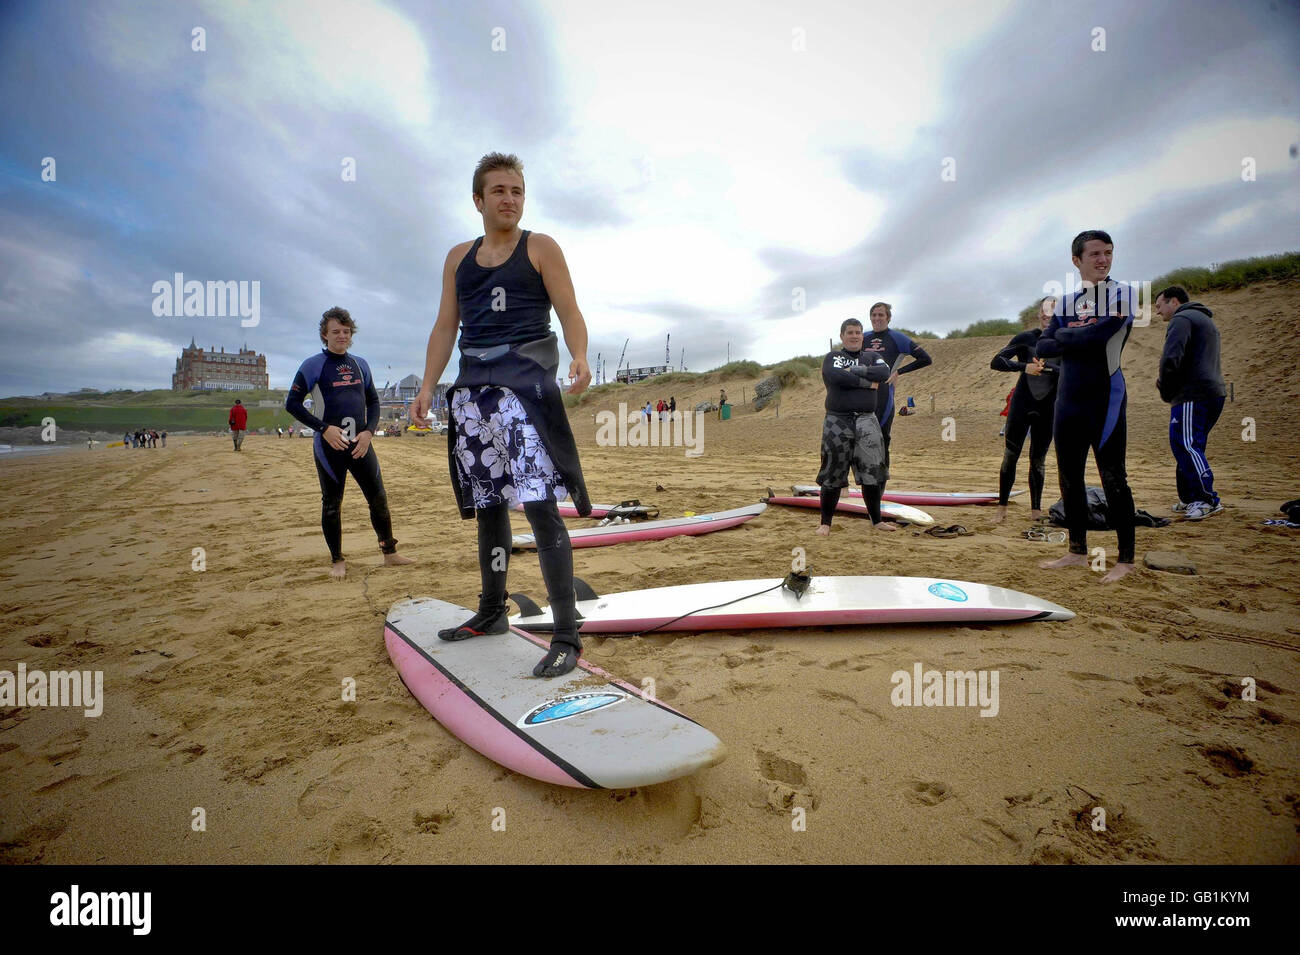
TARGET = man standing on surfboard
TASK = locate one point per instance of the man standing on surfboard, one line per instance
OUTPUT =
(1088, 330)
(1030, 411)
(851, 431)
(349, 416)
(891, 346)
(508, 437)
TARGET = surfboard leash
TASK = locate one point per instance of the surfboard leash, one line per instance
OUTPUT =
(796, 582)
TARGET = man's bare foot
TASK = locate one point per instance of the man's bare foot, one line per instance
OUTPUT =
(396, 560)
(886, 526)
(339, 570)
(823, 530)
(1000, 514)
(1035, 515)
(1069, 560)
(1118, 572)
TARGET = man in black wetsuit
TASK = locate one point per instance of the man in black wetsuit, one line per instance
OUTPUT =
(349, 414)
(1087, 332)
(508, 438)
(1033, 406)
(891, 346)
(850, 431)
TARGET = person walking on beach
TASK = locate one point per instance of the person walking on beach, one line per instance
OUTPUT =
(1032, 409)
(349, 414)
(891, 345)
(508, 438)
(1191, 380)
(238, 422)
(1087, 332)
(164, 439)
(851, 431)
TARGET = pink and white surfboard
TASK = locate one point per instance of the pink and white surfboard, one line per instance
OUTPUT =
(585, 729)
(652, 530)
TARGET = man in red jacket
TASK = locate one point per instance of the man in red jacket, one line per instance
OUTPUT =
(238, 423)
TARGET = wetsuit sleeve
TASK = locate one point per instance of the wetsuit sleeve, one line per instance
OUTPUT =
(920, 359)
(1048, 346)
(838, 377)
(1172, 356)
(877, 371)
(1009, 358)
(299, 390)
(372, 403)
(1089, 335)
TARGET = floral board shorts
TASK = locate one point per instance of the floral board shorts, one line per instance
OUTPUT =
(500, 457)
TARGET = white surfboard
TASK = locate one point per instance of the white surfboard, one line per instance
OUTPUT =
(585, 729)
(927, 498)
(766, 604)
(651, 530)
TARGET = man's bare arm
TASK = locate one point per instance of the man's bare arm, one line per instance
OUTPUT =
(443, 337)
(559, 287)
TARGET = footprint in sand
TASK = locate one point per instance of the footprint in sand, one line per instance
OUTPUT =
(786, 781)
(928, 793)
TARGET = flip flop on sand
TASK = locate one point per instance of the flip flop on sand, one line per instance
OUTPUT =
(1037, 534)
(953, 530)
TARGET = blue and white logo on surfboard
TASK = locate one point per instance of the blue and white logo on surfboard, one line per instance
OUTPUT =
(947, 591)
(575, 704)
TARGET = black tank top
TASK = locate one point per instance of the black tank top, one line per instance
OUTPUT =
(522, 310)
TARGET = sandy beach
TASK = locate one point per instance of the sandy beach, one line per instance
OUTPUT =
(222, 686)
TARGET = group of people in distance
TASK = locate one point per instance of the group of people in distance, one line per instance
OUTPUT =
(1071, 388)
(144, 438)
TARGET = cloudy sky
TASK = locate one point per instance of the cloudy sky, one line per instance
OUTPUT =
(744, 174)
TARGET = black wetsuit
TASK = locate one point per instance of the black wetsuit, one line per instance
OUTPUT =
(891, 346)
(1033, 406)
(346, 398)
(1087, 333)
(850, 435)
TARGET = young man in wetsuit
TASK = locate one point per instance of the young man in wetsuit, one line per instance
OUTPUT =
(1087, 333)
(1031, 410)
(349, 413)
(508, 436)
(1191, 380)
(851, 431)
(891, 346)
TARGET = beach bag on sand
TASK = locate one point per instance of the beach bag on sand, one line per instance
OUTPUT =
(1097, 513)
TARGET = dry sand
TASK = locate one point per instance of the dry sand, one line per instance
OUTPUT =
(223, 686)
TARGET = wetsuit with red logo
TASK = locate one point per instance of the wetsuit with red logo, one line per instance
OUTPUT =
(1087, 333)
(344, 395)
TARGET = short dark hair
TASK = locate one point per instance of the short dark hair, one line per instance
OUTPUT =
(491, 161)
(339, 315)
(889, 312)
(1083, 238)
(1175, 292)
(238, 402)
(847, 322)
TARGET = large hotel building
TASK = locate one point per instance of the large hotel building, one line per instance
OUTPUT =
(199, 370)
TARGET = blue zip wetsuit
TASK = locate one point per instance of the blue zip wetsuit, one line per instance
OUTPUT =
(346, 398)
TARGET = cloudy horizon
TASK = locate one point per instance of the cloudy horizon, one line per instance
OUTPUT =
(742, 176)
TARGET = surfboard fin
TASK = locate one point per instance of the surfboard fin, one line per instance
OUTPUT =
(526, 605)
(583, 591)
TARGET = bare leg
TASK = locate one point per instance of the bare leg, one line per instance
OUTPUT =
(397, 560)
(885, 526)
(823, 530)
(1035, 514)
(339, 569)
(1000, 514)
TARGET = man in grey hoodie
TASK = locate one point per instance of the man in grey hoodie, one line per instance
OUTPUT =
(1191, 380)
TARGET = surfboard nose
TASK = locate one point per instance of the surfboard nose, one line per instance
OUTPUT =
(1056, 612)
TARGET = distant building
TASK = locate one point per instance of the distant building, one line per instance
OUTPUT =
(199, 370)
(631, 375)
(395, 399)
